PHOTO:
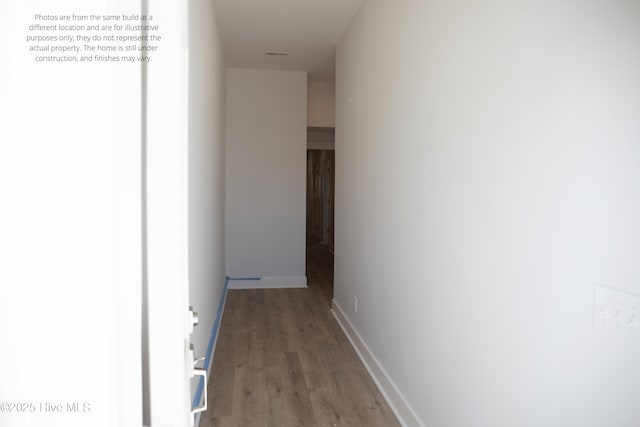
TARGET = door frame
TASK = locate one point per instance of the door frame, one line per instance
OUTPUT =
(167, 363)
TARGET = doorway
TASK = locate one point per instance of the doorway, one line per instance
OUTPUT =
(320, 194)
(320, 210)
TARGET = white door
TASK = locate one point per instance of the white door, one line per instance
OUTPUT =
(76, 256)
(70, 232)
(169, 363)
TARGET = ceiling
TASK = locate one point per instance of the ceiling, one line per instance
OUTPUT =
(308, 29)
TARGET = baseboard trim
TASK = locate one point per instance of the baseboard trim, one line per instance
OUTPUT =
(270, 282)
(211, 348)
(394, 397)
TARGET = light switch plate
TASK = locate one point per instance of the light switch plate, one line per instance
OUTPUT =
(616, 310)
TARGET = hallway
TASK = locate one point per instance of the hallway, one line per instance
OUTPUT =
(283, 360)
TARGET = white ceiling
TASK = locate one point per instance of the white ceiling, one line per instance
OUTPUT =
(308, 29)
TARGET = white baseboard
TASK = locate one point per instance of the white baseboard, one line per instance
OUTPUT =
(394, 397)
(271, 282)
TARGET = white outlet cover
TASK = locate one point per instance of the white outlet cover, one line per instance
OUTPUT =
(616, 310)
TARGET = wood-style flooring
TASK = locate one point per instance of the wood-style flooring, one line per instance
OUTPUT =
(281, 360)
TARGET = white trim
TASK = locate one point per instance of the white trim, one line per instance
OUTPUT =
(167, 214)
(271, 282)
(394, 397)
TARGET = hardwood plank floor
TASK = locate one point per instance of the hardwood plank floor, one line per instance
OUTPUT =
(282, 361)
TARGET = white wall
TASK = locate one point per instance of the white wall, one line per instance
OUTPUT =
(207, 103)
(321, 101)
(265, 175)
(70, 246)
(488, 173)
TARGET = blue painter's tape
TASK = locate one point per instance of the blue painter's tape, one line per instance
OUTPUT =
(243, 278)
(212, 340)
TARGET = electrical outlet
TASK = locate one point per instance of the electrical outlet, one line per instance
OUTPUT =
(616, 310)
(355, 304)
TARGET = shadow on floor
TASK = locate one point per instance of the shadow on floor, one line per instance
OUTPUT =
(320, 271)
